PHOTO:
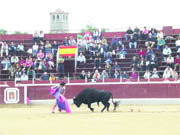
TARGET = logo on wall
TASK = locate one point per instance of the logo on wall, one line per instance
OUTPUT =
(11, 95)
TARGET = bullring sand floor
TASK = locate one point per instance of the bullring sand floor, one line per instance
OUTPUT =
(127, 120)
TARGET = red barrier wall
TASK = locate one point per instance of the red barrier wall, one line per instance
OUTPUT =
(21, 95)
(160, 90)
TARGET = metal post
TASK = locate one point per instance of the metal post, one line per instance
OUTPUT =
(25, 94)
(68, 77)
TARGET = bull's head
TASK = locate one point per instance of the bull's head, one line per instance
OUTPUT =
(77, 102)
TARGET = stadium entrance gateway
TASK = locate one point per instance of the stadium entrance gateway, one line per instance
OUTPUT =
(11, 95)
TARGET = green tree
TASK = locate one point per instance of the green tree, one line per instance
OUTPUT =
(17, 32)
(2, 31)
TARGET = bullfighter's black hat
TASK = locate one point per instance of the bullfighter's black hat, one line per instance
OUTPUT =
(62, 83)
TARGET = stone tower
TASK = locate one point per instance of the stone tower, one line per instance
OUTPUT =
(59, 22)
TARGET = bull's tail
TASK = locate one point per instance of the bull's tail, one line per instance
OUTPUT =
(116, 103)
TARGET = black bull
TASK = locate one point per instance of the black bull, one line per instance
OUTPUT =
(91, 95)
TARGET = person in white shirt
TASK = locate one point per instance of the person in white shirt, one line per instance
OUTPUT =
(24, 77)
(155, 73)
(166, 52)
(167, 73)
(147, 74)
(160, 35)
(35, 48)
(178, 45)
(81, 60)
(170, 61)
(14, 59)
(4, 48)
(20, 49)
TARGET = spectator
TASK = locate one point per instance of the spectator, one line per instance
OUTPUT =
(133, 41)
(177, 63)
(137, 33)
(55, 48)
(160, 35)
(35, 37)
(141, 64)
(148, 65)
(153, 62)
(61, 66)
(167, 72)
(42, 46)
(129, 33)
(178, 45)
(6, 64)
(104, 75)
(81, 60)
(93, 50)
(52, 77)
(71, 41)
(166, 52)
(31, 72)
(81, 48)
(4, 48)
(96, 34)
(147, 74)
(160, 43)
(133, 74)
(45, 76)
(155, 73)
(89, 76)
(83, 74)
(134, 62)
(24, 77)
(40, 55)
(96, 76)
(142, 52)
(97, 60)
(50, 61)
(80, 41)
(35, 48)
(174, 74)
(125, 75)
(65, 42)
(12, 48)
(116, 74)
(108, 68)
(102, 51)
(12, 71)
(122, 53)
(150, 41)
(108, 58)
(20, 49)
(48, 47)
(154, 33)
(18, 74)
(116, 67)
(14, 59)
(145, 33)
(149, 53)
(170, 61)
(114, 42)
(41, 36)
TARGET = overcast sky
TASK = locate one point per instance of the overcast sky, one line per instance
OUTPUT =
(31, 15)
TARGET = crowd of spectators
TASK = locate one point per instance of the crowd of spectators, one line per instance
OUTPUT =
(104, 54)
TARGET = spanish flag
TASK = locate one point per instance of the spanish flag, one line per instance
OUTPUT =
(67, 50)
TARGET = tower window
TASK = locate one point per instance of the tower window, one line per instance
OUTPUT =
(57, 17)
(53, 18)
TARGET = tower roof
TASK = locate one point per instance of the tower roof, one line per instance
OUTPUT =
(59, 11)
